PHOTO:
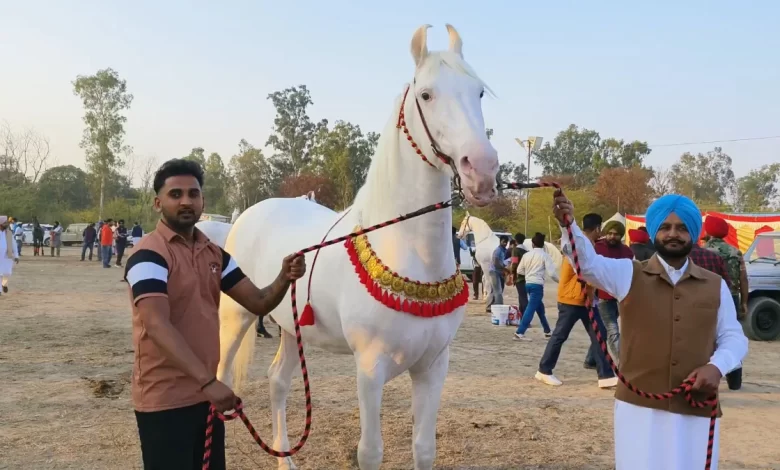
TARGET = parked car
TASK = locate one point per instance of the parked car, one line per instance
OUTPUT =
(73, 234)
(762, 259)
(28, 233)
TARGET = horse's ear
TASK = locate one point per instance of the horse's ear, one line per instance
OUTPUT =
(420, 44)
(467, 214)
(456, 44)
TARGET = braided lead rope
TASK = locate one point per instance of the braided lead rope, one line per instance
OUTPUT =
(684, 388)
(238, 412)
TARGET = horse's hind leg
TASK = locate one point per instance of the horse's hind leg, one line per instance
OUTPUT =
(280, 378)
(427, 384)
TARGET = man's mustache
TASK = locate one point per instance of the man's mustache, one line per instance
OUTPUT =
(673, 240)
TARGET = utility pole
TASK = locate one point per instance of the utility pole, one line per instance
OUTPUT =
(533, 144)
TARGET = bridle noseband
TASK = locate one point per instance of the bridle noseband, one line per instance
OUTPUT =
(446, 159)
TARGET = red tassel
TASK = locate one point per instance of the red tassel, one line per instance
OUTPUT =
(385, 298)
(416, 308)
(436, 309)
(307, 316)
(447, 308)
(397, 305)
(405, 306)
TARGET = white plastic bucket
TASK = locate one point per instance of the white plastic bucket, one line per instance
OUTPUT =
(499, 315)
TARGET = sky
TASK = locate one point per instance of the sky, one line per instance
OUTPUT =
(663, 72)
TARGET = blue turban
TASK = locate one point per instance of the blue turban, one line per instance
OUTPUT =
(685, 209)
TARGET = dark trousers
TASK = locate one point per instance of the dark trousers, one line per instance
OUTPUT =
(476, 280)
(522, 296)
(38, 246)
(174, 439)
(568, 316)
(87, 246)
(120, 251)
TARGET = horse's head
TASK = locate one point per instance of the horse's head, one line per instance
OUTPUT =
(448, 95)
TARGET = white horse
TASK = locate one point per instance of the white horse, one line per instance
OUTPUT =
(439, 110)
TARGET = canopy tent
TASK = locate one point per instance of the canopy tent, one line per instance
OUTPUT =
(743, 228)
(617, 217)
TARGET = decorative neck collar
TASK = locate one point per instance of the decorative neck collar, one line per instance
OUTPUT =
(422, 299)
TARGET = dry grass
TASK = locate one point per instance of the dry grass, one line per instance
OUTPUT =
(65, 358)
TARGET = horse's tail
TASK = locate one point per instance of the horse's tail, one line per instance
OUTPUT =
(244, 357)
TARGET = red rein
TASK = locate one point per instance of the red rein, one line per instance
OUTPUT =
(683, 388)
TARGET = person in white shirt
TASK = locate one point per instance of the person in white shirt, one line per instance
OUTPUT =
(679, 324)
(8, 254)
(19, 237)
(536, 266)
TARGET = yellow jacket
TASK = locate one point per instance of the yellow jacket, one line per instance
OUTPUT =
(569, 288)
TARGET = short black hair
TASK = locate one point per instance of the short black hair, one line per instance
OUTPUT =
(503, 239)
(121, 221)
(591, 221)
(177, 167)
(538, 240)
(519, 238)
(109, 220)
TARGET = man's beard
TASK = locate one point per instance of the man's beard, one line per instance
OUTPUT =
(182, 221)
(673, 253)
(613, 241)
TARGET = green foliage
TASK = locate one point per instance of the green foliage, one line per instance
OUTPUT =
(757, 190)
(253, 177)
(706, 178)
(293, 131)
(104, 97)
(64, 186)
(582, 153)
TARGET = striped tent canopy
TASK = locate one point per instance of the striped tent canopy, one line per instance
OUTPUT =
(743, 228)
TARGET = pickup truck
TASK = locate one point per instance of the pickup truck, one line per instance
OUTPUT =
(762, 259)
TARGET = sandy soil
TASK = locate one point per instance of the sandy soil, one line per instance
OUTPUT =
(65, 359)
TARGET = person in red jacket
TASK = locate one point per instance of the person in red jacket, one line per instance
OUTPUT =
(611, 246)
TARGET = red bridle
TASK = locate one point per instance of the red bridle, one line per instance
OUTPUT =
(446, 159)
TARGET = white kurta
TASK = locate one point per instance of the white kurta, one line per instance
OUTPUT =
(646, 438)
(6, 264)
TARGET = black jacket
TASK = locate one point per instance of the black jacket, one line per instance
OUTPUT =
(642, 251)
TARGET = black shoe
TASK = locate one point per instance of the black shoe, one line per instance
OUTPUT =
(264, 334)
(589, 366)
(5, 291)
(734, 379)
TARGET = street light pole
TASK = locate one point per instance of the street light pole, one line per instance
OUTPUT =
(532, 144)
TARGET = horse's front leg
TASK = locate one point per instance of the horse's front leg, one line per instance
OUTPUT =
(370, 382)
(427, 384)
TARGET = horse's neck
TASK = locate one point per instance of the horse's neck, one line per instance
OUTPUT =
(482, 232)
(399, 182)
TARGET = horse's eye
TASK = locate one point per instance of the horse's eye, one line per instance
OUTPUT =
(426, 96)
(482, 93)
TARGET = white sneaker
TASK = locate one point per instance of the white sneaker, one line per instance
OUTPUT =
(548, 379)
(520, 337)
(608, 383)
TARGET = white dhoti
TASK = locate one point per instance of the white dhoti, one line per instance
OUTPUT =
(648, 439)
(6, 262)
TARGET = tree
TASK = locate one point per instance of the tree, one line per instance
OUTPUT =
(197, 155)
(343, 156)
(757, 191)
(26, 152)
(252, 176)
(216, 183)
(584, 154)
(624, 190)
(65, 186)
(508, 172)
(662, 182)
(706, 178)
(324, 190)
(571, 153)
(293, 130)
(104, 96)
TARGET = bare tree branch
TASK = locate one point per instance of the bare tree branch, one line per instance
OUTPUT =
(27, 151)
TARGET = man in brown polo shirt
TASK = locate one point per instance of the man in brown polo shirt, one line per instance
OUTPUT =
(678, 322)
(175, 277)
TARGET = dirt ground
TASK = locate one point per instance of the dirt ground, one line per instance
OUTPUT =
(66, 355)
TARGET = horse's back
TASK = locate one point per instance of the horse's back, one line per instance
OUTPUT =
(217, 232)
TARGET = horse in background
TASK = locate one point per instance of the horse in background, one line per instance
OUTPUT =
(392, 298)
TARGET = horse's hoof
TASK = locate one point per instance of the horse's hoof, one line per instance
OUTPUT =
(287, 464)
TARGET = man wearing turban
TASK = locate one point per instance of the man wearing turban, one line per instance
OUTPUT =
(678, 323)
(8, 253)
(640, 244)
(612, 247)
(718, 230)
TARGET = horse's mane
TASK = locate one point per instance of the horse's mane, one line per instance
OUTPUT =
(369, 198)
